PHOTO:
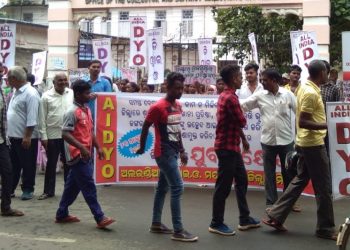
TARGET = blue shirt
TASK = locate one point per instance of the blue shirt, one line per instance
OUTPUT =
(101, 85)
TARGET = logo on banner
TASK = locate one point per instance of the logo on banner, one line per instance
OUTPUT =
(130, 142)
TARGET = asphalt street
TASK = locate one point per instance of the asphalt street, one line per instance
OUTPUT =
(132, 208)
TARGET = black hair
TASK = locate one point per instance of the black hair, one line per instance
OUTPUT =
(94, 61)
(272, 74)
(218, 80)
(228, 72)
(251, 65)
(295, 68)
(80, 86)
(328, 66)
(30, 78)
(315, 68)
(135, 86)
(174, 76)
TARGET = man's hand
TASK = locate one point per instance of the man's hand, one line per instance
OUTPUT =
(85, 153)
(26, 142)
(44, 143)
(93, 96)
(246, 145)
(140, 151)
(184, 159)
(101, 154)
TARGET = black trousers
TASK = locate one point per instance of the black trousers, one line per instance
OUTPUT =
(231, 167)
(23, 161)
(6, 177)
(55, 148)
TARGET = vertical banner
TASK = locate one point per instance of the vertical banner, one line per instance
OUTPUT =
(138, 48)
(252, 41)
(102, 52)
(155, 56)
(7, 45)
(106, 135)
(39, 66)
(293, 37)
(338, 115)
(205, 51)
(346, 55)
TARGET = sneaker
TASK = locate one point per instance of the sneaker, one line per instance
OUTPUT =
(222, 229)
(26, 195)
(248, 223)
(106, 221)
(160, 229)
(185, 236)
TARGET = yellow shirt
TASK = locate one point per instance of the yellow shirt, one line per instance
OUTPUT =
(309, 100)
(290, 89)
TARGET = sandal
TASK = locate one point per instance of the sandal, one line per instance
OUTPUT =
(276, 225)
(12, 212)
(68, 219)
(105, 222)
(45, 196)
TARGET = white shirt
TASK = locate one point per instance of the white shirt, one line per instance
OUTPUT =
(52, 109)
(244, 92)
(277, 114)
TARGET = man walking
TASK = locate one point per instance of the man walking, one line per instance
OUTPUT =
(230, 121)
(54, 103)
(166, 117)
(314, 162)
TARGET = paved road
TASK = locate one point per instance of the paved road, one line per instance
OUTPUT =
(132, 207)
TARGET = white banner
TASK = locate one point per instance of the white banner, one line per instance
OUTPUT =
(338, 115)
(102, 52)
(75, 74)
(205, 51)
(252, 41)
(155, 56)
(7, 45)
(138, 48)
(39, 66)
(130, 74)
(204, 74)
(346, 55)
(293, 37)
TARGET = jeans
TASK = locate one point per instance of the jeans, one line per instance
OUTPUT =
(6, 177)
(231, 167)
(269, 157)
(80, 178)
(23, 160)
(169, 177)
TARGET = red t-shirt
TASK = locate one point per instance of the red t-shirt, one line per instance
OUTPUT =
(166, 119)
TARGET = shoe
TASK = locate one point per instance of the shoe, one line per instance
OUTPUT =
(330, 236)
(12, 212)
(248, 223)
(160, 229)
(296, 208)
(26, 195)
(183, 235)
(222, 229)
(105, 222)
(67, 219)
(45, 196)
(275, 224)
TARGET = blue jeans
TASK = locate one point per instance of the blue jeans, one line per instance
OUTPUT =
(169, 177)
(80, 178)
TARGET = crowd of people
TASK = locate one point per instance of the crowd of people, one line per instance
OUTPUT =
(61, 119)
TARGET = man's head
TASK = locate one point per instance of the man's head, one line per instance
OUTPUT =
(328, 67)
(294, 73)
(175, 85)
(82, 91)
(60, 82)
(232, 76)
(333, 75)
(270, 80)
(132, 87)
(220, 85)
(251, 72)
(318, 72)
(122, 84)
(17, 77)
(94, 67)
(285, 79)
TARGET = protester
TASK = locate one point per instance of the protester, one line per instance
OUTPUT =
(186, 89)
(230, 121)
(5, 162)
(329, 91)
(22, 131)
(132, 87)
(192, 88)
(285, 79)
(147, 88)
(220, 85)
(252, 86)
(211, 90)
(166, 117)
(163, 87)
(294, 75)
(276, 105)
(79, 140)
(54, 103)
(313, 162)
(122, 84)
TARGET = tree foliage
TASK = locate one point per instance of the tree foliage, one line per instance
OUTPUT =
(271, 31)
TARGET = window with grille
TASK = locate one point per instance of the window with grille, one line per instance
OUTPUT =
(28, 17)
(124, 16)
(160, 21)
(124, 24)
(187, 23)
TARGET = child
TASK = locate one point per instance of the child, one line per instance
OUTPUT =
(79, 139)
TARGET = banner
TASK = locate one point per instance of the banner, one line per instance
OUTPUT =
(339, 147)
(252, 41)
(205, 51)
(102, 52)
(346, 55)
(75, 74)
(138, 47)
(205, 74)
(7, 45)
(155, 56)
(119, 121)
(39, 66)
(293, 37)
(130, 74)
